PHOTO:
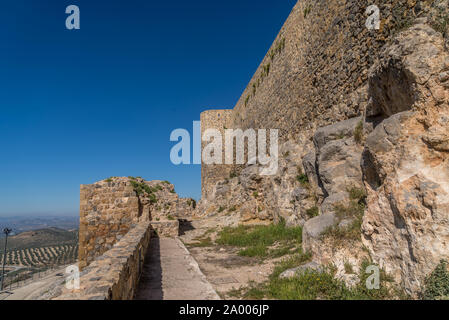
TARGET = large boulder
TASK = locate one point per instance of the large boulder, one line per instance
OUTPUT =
(406, 161)
(314, 228)
(336, 167)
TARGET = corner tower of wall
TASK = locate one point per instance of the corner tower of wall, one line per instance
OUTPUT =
(212, 173)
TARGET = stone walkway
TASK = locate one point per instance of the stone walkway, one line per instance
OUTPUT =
(171, 273)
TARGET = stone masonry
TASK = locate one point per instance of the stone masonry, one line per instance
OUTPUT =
(112, 207)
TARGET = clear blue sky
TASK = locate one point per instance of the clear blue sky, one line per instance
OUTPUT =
(83, 105)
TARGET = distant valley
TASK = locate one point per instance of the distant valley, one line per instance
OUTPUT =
(39, 243)
(22, 224)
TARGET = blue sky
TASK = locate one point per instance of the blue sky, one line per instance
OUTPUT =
(78, 106)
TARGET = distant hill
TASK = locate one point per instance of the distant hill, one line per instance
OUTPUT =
(41, 238)
(23, 223)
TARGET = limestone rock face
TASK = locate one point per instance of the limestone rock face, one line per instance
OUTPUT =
(406, 160)
(259, 199)
(338, 156)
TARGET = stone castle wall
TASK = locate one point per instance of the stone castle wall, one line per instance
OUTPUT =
(315, 74)
(107, 212)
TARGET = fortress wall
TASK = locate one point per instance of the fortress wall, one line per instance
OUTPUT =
(315, 73)
(220, 120)
(114, 275)
(108, 210)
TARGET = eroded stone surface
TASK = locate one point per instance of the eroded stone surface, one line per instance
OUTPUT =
(405, 162)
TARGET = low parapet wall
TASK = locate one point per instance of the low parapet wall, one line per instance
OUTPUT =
(115, 274)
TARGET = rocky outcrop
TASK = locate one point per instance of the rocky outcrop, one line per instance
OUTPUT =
(397, 153)
(406, 159)
(287, 195)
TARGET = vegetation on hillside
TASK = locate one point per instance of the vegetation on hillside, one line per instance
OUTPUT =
(262, 241)
(41, 248)
(436, 285)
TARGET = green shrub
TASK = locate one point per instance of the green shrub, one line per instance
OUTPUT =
(357, 194)
(221, 209)
(321, 285)
(436, 285)
(153, 198)
(247, 100)
(312, 212)
(302, 179)
(354, 210)
(233, 174)
(256, 240)
(358, 132)
(307, 11)
(440, 22)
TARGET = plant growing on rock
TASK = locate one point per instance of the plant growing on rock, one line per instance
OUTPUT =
(358, 133)
(307, 11)
(312, 212)
(436, 285)
(353, 211)
(440, 22)
(302, 178)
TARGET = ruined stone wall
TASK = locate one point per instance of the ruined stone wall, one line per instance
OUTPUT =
(108, 210)
(210, 174)
(115, 274)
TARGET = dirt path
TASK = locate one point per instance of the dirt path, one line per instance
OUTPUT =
(222, 266)
(170, 273)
